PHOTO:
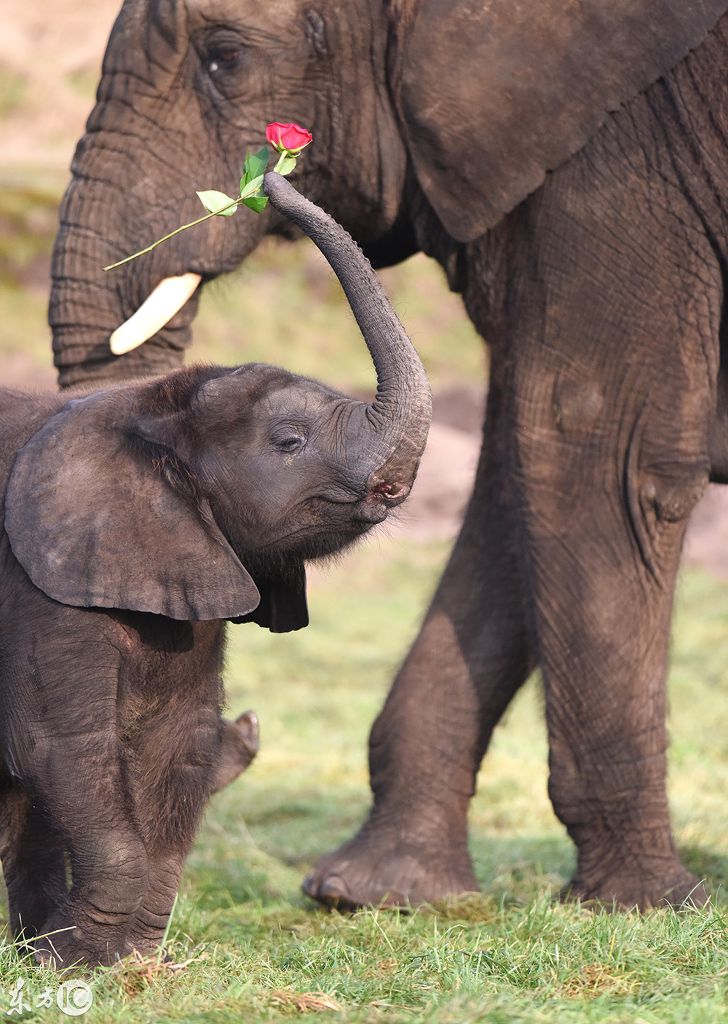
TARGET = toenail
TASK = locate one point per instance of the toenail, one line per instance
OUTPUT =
(333, 888)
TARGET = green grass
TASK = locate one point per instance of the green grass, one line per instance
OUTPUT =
(256, 950)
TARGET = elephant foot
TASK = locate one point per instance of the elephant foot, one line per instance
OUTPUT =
(385, 867)
(633, 890)
(145, 938)
(63, 945)
(62, 950)
(61, 954)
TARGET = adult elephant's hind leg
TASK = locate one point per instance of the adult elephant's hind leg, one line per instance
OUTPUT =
(469, 659)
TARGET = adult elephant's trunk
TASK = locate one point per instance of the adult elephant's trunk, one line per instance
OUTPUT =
(134, 178)
(399, 417)
(86, 306)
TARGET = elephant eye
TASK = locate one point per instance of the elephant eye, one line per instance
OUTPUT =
(223, 59)
(290, 443)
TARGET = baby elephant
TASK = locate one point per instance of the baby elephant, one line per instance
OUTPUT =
(136, 520)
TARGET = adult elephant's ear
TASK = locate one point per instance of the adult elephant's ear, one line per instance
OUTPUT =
(99, 518)
(496, 93)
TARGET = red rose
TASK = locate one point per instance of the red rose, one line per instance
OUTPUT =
(287, 137)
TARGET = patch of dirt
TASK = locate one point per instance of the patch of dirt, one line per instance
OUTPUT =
(462, 408)
(435, 509)
(22, 373)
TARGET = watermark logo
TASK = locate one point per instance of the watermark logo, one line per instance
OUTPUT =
(74, 998)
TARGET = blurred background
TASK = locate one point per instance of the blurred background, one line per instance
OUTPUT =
(318, 691)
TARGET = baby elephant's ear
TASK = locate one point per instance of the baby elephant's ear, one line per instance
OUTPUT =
(95, 522)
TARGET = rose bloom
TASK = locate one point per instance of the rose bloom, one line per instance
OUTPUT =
(287, 136)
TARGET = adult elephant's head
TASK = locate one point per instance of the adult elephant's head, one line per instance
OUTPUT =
(428, 116)
(187, 87)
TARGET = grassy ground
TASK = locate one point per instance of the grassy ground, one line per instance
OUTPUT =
(256, 950)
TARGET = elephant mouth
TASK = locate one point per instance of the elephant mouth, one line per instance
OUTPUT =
(313, 542)
(392, 494)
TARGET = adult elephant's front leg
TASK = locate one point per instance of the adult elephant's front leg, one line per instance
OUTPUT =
(609, 470)
(469, 659)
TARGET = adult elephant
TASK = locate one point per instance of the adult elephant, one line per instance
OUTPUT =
(566, 165)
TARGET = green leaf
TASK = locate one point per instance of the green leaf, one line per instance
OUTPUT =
(257, 203)
(215, 202)
(254, 166)
(252, 187)
(286, 164)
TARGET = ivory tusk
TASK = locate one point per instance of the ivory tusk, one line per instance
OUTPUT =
(157, 309)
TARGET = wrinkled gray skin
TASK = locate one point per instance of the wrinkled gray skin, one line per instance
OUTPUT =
(600, 288)
(136, 519)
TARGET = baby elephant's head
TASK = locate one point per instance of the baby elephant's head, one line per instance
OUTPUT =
(200, 495)
(290, 468)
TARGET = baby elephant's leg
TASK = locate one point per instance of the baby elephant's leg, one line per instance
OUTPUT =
(59, 732)
(33, 860)
(79, 785)
(175, 761)
(169, 828)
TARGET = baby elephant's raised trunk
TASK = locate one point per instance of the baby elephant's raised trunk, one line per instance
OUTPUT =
(399, 417)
